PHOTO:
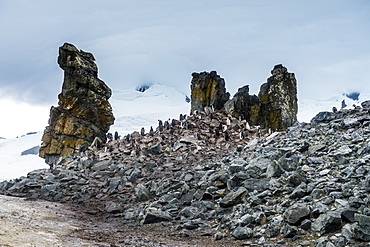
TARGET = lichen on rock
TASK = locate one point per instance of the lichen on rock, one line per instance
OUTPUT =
(278, 100)
(242, 104)
(275, 106)
(208, 90)
(83, 112)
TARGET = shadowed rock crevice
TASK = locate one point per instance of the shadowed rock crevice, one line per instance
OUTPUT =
(83, 112)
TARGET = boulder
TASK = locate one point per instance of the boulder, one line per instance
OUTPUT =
(208, 90)
(242, 233)
(327, 223)
(154, 215)
(296, 213)
(362, 228)
(233, 197)
(83, 112)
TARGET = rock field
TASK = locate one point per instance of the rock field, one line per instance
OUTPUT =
(213, 177)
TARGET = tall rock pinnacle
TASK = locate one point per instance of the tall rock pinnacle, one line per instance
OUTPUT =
(83, 112)
(278, 100)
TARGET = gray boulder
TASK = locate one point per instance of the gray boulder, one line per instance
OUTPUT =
(296, 213)
(327, 223)
(242, 233)
(233, 197)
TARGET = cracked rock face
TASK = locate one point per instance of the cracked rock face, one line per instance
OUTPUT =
(83, 112)
(278, 100)
(208, 90)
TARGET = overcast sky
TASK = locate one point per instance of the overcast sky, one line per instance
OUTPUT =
(325, 43)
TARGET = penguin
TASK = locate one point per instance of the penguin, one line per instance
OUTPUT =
(224, 128)
(166, 125)
(160, 125)
(151, 131)
(181, 117)
(173, 122)
(142, 131)
(116, 136)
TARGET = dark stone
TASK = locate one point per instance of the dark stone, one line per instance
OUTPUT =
(242, 104)
(242, 233)
(154, 215)
(327, 223)
(348, 215)
(296, 213)
(233, 197)
(324, 116)
(289, 231)
(362, 229)
(366, 104)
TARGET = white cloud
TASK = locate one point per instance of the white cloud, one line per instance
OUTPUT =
(141, 41)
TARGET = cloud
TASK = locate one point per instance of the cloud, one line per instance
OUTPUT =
(136, 42)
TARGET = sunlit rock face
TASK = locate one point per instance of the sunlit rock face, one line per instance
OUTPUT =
(83, 112)
(208, 90)
(278, 100)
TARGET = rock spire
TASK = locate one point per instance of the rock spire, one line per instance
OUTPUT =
(278, 100)
(83, 112)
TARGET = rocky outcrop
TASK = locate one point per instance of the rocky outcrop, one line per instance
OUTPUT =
(243, 105)
(275, 107)
(208, 90)
(83, 112)
(278, 100)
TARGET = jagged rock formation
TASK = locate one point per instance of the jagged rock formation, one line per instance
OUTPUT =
(278, 100)
(208, 90)
(307, 184)
(275, 107)
(83, 112)
(243, 105)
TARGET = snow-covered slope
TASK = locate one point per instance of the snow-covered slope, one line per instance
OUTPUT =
(134, 110)
(12, 163)
(307, 109)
